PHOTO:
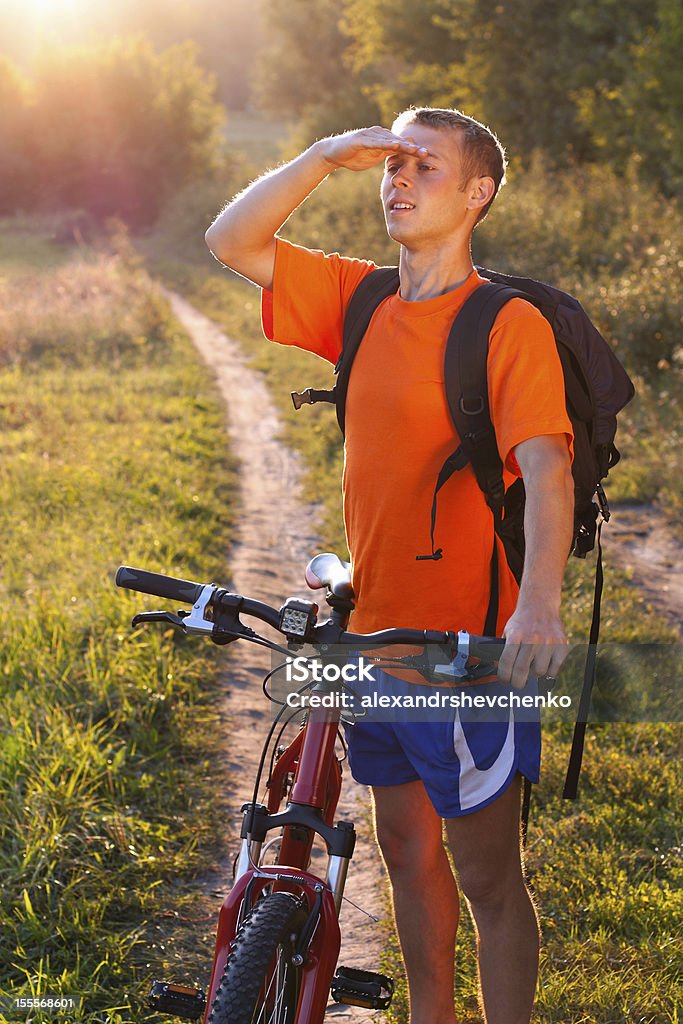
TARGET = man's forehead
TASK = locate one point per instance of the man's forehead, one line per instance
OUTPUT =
(442, 143)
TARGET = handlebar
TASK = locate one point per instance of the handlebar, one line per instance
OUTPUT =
(216, 613)
(157, 585)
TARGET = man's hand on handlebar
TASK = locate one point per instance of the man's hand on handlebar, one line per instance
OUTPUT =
(535, 644)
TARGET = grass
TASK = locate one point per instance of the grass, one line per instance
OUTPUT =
(605, 873)
(254, 137)
(29, 245)
(605, 870)
(312, 430)
(113, 450)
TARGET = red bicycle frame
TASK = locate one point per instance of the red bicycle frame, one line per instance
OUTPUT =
(311, 805)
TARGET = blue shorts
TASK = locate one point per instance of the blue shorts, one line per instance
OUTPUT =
(465, 757)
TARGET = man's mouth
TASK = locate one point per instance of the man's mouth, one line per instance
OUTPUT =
(400, 206)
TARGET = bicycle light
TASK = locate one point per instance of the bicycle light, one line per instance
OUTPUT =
(297, 618)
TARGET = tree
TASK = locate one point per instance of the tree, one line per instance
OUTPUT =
(227, 35)
(303, 74)
(570, 77)
(116, 127)
(16, 171)
(509, 65)
(636, 103)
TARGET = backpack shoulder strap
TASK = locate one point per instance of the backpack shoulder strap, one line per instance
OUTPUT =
(378, 285)
(466, 385)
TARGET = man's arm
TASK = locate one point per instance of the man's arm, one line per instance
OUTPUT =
(243, 235)
(536, 641)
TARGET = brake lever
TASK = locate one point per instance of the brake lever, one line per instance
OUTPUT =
(450, 665)
(198, 620)
(174, 620)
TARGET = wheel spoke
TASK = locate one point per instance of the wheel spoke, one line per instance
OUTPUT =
(281, 987)
(278, 978)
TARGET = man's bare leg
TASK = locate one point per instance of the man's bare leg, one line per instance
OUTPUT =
(486, 852)
(425, 897)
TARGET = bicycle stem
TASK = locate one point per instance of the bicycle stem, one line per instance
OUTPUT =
(321, 737)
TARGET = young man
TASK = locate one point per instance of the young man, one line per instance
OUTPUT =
(442, 172)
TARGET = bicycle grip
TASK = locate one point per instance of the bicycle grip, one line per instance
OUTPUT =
(488, 648)
(158, 585)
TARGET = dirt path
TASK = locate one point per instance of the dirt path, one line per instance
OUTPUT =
(276, 538)
(639, 539)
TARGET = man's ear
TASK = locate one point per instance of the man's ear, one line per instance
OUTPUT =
(481, 192)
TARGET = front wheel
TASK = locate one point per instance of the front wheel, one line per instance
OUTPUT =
(260, 985)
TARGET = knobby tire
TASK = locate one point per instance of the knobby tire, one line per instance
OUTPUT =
(263, 941)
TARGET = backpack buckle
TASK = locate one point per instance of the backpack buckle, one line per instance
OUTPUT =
(311, 396)
(300, 398)
(602, 503)
(481, 405)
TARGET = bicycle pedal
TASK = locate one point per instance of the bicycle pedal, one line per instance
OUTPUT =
(180, 1000)
(354, 987)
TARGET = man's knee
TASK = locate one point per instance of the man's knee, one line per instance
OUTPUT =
(489, 886)
(409, 842)
(404, 849)
(487, 854)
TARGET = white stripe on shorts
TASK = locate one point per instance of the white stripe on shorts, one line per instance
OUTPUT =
(480, 784)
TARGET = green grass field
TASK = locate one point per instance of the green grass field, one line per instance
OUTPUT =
(113, 450)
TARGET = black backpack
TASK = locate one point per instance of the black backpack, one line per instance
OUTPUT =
(596, 388)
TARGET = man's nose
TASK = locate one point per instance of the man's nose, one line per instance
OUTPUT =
(401, 176)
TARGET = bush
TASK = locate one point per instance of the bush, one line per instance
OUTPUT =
(571, 225)
(179, 232)
(345, 216)
(70, 316)
(112, 129)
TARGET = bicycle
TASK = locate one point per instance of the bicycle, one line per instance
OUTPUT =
(278, 935)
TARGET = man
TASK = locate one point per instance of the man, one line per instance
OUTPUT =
(442, 172)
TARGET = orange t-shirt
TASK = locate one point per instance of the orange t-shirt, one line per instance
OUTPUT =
(399, 432)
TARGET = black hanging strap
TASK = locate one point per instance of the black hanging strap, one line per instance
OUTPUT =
(492, 611)
(456, 460)
(571, 781)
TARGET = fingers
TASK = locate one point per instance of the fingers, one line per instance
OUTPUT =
(519, 661)
(382, 138)
(558, 658)
(514, 665)
(364, 148)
